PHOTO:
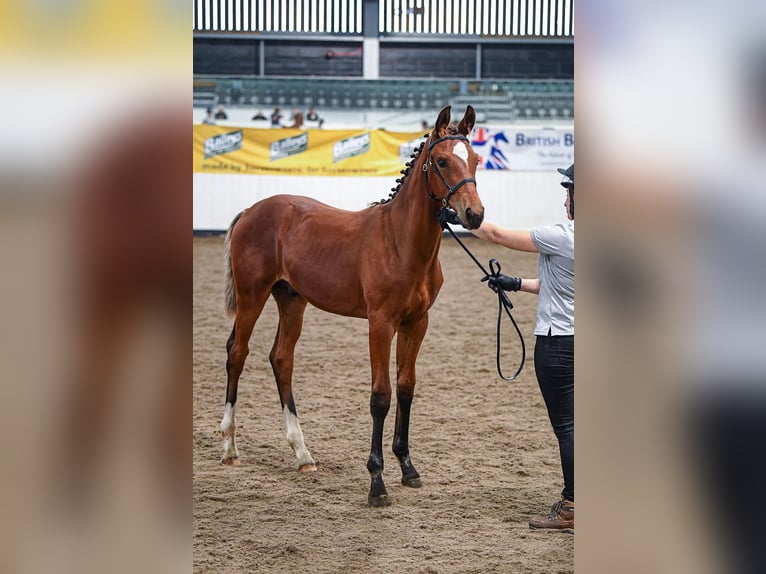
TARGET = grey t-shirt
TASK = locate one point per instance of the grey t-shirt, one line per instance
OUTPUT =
(555, 305)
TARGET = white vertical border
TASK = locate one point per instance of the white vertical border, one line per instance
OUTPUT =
(431, 11)
(336, 16)
(538, 17)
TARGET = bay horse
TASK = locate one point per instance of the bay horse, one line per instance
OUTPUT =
(380, 264)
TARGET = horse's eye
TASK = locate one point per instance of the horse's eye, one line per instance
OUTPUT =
(441, 162)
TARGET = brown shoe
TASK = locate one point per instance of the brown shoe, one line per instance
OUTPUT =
(561, 517)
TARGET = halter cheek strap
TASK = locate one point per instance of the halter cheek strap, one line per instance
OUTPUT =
(450, 189)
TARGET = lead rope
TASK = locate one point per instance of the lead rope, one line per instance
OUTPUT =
(503, 302)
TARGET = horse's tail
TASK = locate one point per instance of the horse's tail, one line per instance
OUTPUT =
(231, 290)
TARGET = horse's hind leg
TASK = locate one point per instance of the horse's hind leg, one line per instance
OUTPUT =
(291, 307)
(237, 350)
(408, 341)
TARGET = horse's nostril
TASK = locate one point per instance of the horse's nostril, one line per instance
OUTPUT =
(473, 219)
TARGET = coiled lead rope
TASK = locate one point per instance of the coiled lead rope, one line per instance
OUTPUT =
(503, 302)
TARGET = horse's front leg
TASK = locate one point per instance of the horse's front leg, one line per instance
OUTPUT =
(381, 334)
(409, 338)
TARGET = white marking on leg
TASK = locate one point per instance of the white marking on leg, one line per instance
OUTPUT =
(461, 151)
(295, 438)
(228, 427)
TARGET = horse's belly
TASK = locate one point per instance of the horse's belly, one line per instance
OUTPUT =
(347, 310)
(330, 292)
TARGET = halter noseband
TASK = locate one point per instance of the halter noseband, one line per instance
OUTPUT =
(450, 190)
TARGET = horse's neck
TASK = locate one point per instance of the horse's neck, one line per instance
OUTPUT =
(414, 213)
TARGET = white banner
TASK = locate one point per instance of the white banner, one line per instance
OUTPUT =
(520, 149)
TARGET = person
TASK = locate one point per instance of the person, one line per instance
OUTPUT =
(297, 121)
(258, 116)
(276, 118)
(220, 114)
(554, 330)
(209, 118)
(312, 116)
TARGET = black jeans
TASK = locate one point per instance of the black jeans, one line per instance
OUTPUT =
(554, 367)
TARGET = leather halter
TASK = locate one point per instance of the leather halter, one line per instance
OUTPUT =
(450, 189)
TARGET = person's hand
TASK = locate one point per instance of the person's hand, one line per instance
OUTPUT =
(503, 282)
(447, 215)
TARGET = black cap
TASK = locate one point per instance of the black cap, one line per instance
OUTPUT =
(568, 174)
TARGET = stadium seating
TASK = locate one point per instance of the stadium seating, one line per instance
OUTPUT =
(506, 100)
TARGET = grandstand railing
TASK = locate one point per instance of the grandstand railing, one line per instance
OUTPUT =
(480, 18)
(307, 16)
(477, 17)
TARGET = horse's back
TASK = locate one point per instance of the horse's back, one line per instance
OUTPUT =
(289, 219)
(294, 210)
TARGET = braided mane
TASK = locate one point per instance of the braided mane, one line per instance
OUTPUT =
(405, 172)
(451, 130)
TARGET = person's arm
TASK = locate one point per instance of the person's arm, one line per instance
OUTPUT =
(530, 285)
(518, 239)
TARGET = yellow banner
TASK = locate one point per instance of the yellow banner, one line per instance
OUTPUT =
(285, 151)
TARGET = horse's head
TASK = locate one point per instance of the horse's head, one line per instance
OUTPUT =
(452, 160)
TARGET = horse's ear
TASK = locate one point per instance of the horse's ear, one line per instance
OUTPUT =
(442, 122)
(466, 124)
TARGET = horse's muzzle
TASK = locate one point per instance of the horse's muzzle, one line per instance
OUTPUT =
(473, 220)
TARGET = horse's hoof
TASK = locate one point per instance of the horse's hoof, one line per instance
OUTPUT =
(233, 461)
(412, 482)
(378, 501)
(310, 467)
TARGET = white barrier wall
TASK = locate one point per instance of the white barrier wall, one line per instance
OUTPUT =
(516, 199)
(397, 120)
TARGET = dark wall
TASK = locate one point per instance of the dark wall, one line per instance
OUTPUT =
(427, 60)
(313, 59)
(219, 56)
(397, 59)
(517, 61)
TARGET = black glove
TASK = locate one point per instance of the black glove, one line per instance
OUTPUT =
(503, 282)
(447, 215)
